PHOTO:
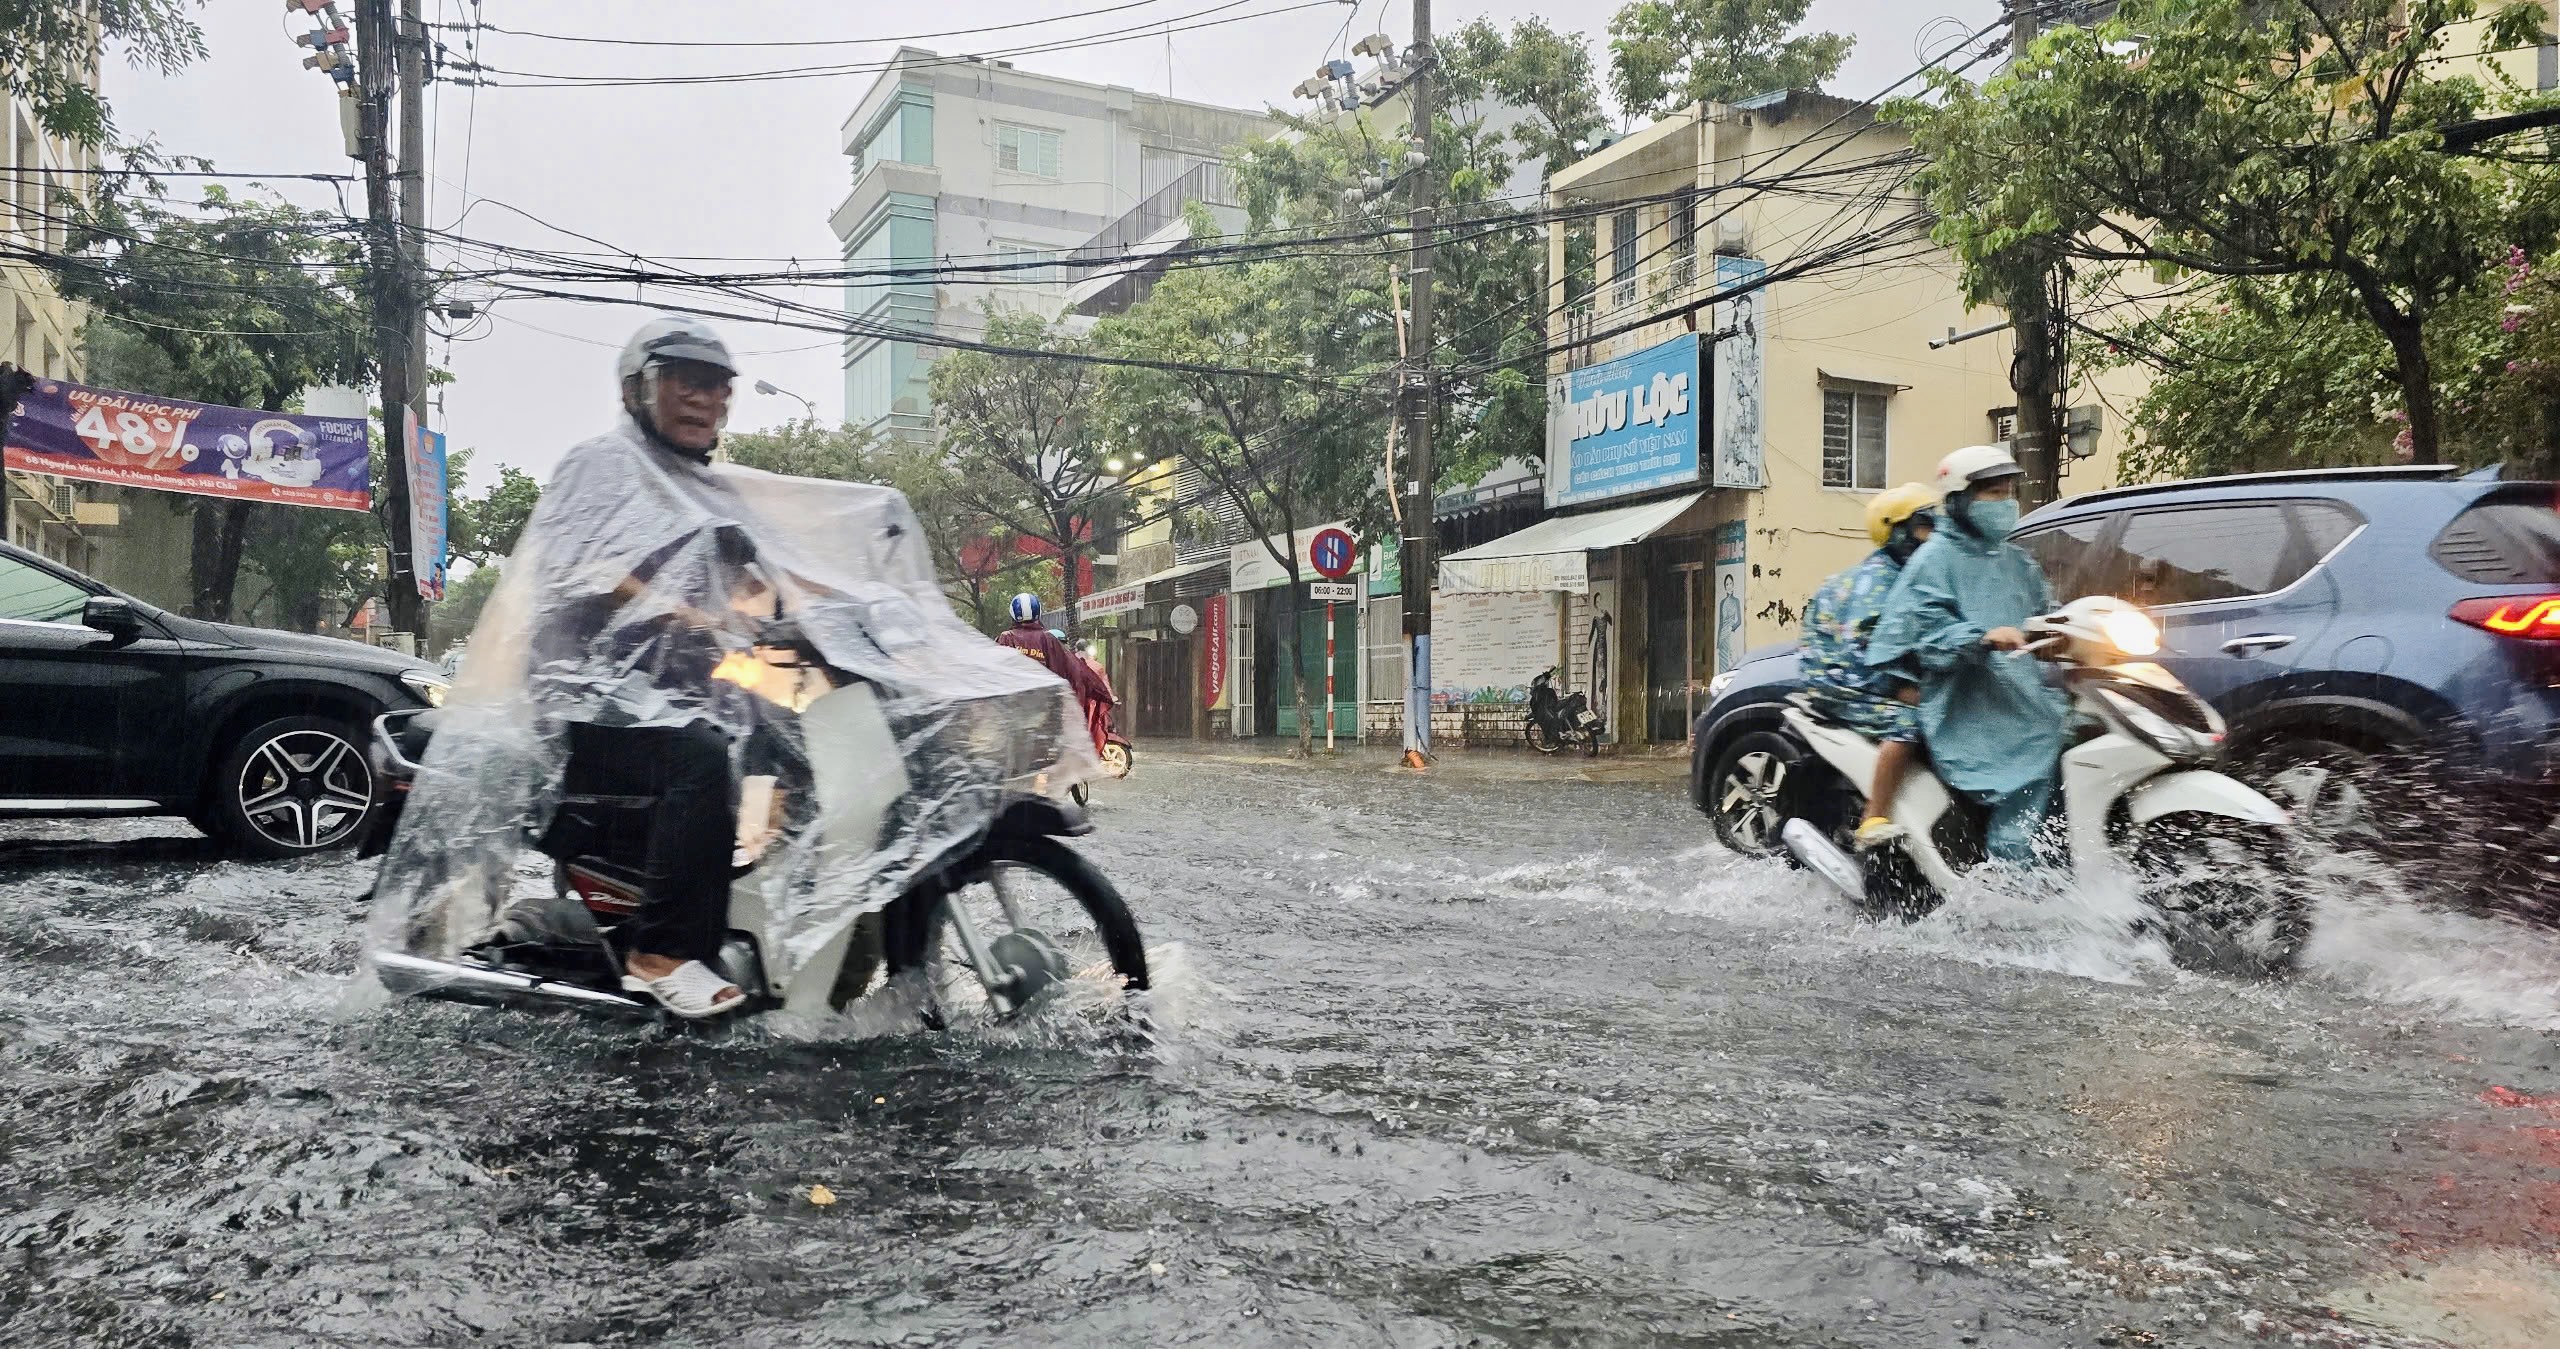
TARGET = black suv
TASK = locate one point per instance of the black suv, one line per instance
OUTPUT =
(109, 706)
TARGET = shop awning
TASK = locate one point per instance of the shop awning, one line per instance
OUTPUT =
(1555, 554)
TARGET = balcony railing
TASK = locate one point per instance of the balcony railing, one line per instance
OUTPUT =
(1205, 182)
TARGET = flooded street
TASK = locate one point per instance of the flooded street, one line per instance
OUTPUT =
(1435, 1063)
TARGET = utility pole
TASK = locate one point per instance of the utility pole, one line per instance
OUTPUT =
(381, 65)
(2035, 372)
(1418, 393)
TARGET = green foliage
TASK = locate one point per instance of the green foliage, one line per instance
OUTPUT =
(1027, 453)
(2287, 152)
(1668, 54)
(454, 619)
(1534, 68)
(49, 54)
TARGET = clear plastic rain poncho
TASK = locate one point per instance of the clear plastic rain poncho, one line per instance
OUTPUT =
(636, 598)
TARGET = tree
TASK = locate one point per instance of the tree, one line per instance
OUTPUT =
(1667, 54)
(1285, 456)
(2295, 146)
(961, 543)
(1027, 454)
(454, 619)
(247, 302)
(484, 530)
(1537, 70)
(49, 55)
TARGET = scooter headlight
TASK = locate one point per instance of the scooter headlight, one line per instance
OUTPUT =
(2132, 632)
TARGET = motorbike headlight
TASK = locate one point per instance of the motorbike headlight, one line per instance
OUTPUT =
(1723, 681)
(430, 688)
(2157, 731)
(2132, 632)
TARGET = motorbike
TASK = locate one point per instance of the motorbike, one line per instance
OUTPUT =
(1555, 722)
(2139, 797)
(1113, 748)
(1013, 914)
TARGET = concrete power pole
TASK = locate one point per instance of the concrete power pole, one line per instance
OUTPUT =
(378, 67)
(2035, 377)
(413, 272)
(1418, 395)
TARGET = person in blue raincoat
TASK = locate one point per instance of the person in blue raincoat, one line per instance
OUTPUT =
(1995, 728)
(1882, 705)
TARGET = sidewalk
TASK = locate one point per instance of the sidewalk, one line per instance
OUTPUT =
(1456, 765)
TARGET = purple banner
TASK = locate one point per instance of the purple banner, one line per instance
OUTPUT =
(171, 445)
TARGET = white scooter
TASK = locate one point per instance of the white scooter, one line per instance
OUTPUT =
(2139, 799)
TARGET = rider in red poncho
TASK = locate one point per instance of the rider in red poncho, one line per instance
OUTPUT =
(1028, 637)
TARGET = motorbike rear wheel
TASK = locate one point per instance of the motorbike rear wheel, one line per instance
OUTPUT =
(1038, 907)
(1540, 738)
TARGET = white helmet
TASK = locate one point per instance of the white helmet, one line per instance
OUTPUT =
(1973, 465)
(673, 337)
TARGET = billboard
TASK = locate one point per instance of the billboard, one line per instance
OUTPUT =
(1624, 426)
(170, 445)
(427, 499)
(1732, 542)
(1739, 453)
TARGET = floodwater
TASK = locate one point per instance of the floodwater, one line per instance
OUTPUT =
(1442, 1062)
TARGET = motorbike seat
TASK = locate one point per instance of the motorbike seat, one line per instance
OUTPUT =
(598, 826)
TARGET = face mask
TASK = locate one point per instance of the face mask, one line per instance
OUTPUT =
(1993, 519)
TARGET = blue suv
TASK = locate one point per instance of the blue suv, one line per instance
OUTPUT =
(2333, 616)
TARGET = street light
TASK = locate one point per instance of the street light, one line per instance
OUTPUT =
(769, 388)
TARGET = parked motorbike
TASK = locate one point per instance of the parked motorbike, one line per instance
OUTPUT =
(2209, 853)
(1015, 913)
(1555, 722)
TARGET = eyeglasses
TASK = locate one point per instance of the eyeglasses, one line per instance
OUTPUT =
(696, 378)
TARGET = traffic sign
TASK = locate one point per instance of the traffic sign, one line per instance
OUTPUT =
(1333, 592)
(1331, 550)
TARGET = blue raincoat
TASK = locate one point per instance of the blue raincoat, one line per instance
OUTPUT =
(1994, 727)
(1833, 659)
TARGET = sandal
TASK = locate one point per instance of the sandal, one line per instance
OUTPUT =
(692, 990)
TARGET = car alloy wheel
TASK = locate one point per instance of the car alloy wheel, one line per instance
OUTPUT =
(305, 789)
(1747, 800)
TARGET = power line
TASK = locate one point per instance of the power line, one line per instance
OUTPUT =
(707, 43)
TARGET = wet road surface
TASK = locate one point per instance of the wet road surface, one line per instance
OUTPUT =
(1441, 1063)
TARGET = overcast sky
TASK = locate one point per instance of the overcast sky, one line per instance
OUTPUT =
(746, 170)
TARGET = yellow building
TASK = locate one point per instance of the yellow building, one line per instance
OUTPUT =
(1710, 463)
(40, 331)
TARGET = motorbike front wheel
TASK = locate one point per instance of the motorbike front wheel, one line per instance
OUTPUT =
(1042, 916)
(2226, 893)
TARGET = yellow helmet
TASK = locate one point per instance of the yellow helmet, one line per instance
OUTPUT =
(1894, 505)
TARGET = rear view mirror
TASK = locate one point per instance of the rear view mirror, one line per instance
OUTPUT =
(111, 614)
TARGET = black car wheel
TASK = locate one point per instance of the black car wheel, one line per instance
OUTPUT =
(1748, 792)
(292, 787)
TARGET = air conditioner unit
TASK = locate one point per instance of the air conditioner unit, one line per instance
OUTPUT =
(1733, 236)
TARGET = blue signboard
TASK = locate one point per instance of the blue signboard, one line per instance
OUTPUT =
(1625, 426)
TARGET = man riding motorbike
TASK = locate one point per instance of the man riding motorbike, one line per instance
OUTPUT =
(1029, 637)
(624, 650)
(1994, 727)
(1880, 704)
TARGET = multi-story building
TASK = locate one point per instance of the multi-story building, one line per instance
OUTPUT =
(959, 160)
(1709, 463)
(40, 330)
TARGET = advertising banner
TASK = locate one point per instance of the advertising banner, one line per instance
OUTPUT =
(1486, 647)
(1739, 455)
(1213, 657)
(1624, 426)
(427, 507)
(170, 445)
(1105, 603)
(1731, 539)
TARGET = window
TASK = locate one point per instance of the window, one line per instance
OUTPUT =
(2204, 553)
(2511, 537)
(1684, 240)
(1013, 253)
(1853, 439)
(2063, 552)
(1622, 257)
(38, 596)
(1027, 150)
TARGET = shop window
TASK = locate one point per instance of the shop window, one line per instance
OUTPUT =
(1034, 151)
(1853, 439)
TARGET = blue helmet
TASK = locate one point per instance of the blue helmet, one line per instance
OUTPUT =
(1026, 607)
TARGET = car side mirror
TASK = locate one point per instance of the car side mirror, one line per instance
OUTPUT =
(111, 614)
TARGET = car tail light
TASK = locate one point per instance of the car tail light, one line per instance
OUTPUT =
(2532, 617)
